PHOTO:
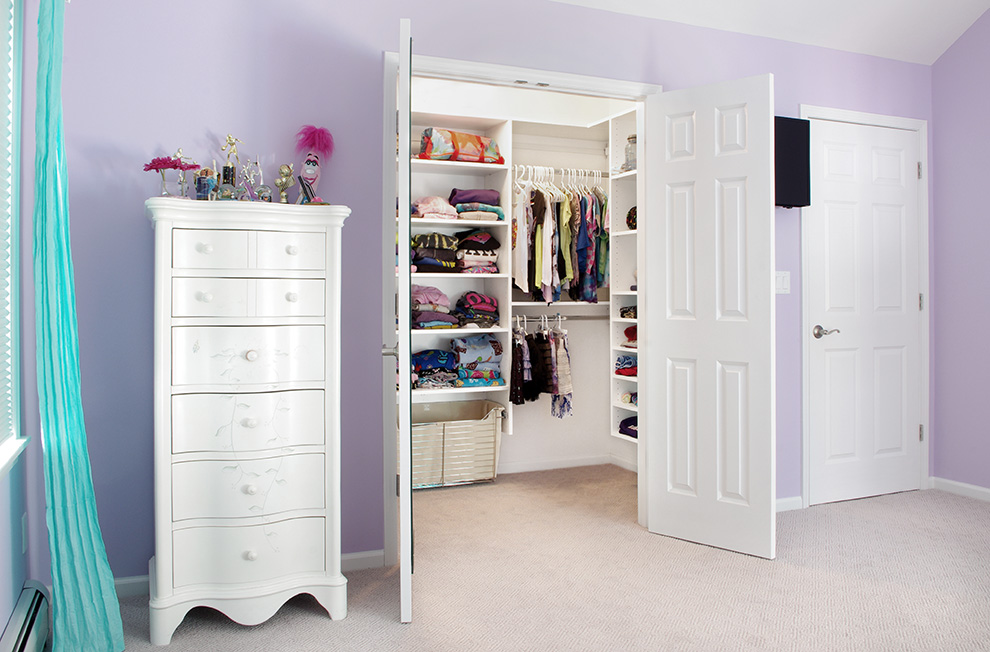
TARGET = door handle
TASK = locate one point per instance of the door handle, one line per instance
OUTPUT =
(820, 332)
(392, 351)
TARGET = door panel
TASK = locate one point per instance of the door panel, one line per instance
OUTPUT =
(863, 280)
(710, 456)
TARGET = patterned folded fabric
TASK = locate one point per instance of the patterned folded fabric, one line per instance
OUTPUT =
(486, 374)
(435, 240)
(479, 382)
(490, 268)
(479, 216)
(625, 361)
(478, 301)
(435, 379)
(431, 307)
(474, 207)
(433, 262)
(423, 361)
(473, 258)
(629, 312)
(468, 317)
(419, 316)
(477, 240)
(433, 252)
(477, 352)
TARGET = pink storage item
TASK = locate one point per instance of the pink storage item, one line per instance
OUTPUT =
(446, 145)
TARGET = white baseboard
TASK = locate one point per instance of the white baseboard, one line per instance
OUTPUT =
(624, 463)
(789, 504)
(961, 488)
(355, 561)
(546, 465)
(129, 587)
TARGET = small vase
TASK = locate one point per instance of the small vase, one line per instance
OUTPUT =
(165, 192)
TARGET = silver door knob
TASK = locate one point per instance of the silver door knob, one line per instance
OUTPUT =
(390, 350)
(820, 332)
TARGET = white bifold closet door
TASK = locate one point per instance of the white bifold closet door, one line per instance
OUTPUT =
(709, 348)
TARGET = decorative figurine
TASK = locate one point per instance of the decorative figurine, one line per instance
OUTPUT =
(183, 167)
(226, 192)
(284, 181)
(264, 193)
(317, 143)
(248, 173)
(229, 171)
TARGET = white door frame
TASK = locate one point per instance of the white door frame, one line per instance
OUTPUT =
(809, 112)
(495, 74)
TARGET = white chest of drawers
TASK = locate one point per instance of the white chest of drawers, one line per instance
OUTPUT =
(247, 375)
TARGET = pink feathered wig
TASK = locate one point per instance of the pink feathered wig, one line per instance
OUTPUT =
(315, 139)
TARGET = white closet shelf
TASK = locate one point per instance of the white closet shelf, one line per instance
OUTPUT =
(457, 167)
(625, 349)
(424, 275)
(625, 320)
(624, 175)
(628, 379)
(427, 395)
(625, 406)
(623, 232)
(625, 293)
(456, 331)
(619, 435)
(422, 221)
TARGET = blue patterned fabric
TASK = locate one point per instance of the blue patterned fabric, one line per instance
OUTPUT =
(84, 603)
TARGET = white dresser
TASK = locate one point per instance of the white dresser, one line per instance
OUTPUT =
(247, 435)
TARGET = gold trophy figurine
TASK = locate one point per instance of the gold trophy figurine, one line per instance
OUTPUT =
(284, 182)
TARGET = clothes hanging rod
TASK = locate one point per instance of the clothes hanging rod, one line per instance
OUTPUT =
(529, 169)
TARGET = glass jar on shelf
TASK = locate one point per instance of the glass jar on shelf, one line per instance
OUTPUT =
(630, 163)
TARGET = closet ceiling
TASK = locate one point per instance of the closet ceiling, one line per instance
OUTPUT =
(916, 31)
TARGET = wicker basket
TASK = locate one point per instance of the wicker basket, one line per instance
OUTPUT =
(455, 442)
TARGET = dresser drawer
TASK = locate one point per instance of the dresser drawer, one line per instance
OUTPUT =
(246, 355)
(278, 297)
(209, 249)
(209, 297)
(240, 488)
(247, 422)
(256, 553)
(278, 250)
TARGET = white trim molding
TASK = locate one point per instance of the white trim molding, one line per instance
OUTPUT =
(961, 488)
(790, 504)
(810, 112)
(130, 587)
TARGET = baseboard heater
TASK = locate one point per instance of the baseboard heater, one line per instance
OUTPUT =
(28, 627)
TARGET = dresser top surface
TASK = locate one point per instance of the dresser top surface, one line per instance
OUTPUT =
(191, 211)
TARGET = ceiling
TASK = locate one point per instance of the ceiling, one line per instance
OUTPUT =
(916, 31)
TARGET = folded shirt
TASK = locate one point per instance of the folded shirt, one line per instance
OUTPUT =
(490, 268)
(629, 426)
(437, 254)
(419, 316)
(478, 301)
(432, 307)
(626, 371)
(429, 359)
(474, 257)
(477, 240)
(480, 195)
(478, 216)
(428, 294)
(476, 207)
(434, 207)
(434, 240)
(423, 261)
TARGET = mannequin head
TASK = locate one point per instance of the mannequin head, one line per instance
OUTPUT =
(316, 145)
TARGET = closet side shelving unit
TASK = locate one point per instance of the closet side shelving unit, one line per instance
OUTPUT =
(623, 266)
(438, 178)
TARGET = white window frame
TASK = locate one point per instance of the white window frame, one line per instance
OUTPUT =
(12, 440)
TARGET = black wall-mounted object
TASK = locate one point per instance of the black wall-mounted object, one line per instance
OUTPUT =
(792, 149)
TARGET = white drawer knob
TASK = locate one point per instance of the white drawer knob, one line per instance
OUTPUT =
(250, 422)
(251, 355)
(251, 555)
(205, 297)
(292, 250)
(291, 297)
(250, 489)
(204, 248)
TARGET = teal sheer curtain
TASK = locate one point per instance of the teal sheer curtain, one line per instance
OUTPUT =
(84, 603)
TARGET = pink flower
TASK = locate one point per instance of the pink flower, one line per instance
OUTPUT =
(188, 166)
(160, 163)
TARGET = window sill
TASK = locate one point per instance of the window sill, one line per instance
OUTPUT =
(10, 450)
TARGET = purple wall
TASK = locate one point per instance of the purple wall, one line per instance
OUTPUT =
(142, 78)
(961, 268)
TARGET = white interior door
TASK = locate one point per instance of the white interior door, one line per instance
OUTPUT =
(709, 352)
(862, 248)
(404, 481)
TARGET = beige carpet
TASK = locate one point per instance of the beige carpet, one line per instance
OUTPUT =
(555, 561)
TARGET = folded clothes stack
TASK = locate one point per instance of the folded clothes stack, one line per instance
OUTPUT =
(630, 427)
(479, 361)
(628, 312)
(477, 252)
(476, 310)
(626, 365)
(434, 252)
(630, 334)
(436, 208)
(431, 308)
(433, 369)
(477, 204)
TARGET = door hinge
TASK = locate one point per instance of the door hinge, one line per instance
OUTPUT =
(398, 483)
(921, 432)
(921, 301)
(919, 169)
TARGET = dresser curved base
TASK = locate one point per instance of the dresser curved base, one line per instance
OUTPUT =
(166, 614)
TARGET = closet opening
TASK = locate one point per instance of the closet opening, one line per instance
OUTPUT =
(572, 156)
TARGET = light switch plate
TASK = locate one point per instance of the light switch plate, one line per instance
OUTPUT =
(783, 282)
